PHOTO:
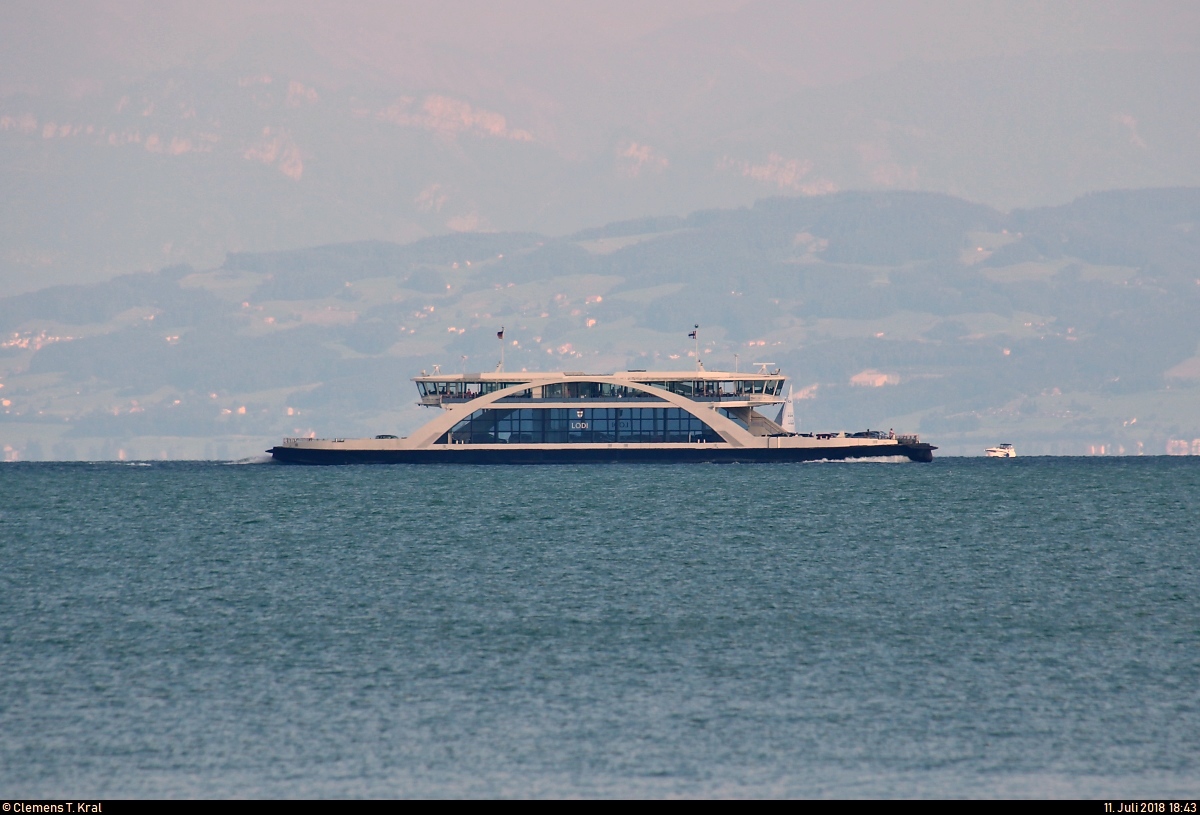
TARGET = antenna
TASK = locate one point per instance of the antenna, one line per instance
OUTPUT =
(762, 366)
(735, 363)
(437, 369)
(463, 365)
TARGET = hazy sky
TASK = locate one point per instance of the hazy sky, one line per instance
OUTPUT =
(816, 42)
(135, 133)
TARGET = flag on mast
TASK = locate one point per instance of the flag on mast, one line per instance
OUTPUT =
(500, 333)
(693, 335)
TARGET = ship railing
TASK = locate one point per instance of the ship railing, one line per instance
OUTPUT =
(631, 395)
(735, 397)
(437, 399)
(730, 397)
(628, 397)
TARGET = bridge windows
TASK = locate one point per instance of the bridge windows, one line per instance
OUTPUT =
(699, 389)
(714, 389)
(454, 389)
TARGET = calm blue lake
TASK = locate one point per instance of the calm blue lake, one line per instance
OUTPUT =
(965, 628)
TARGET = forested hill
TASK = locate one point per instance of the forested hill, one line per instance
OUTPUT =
(1062, 329)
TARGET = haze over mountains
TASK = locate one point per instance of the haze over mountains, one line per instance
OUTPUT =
(135, 135)
(1066, 329)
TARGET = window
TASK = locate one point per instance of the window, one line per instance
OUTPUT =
(580, 426)
(733, 417)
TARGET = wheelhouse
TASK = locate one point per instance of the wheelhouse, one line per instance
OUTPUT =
(441, 390)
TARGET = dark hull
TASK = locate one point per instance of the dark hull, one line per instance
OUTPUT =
(463, 454)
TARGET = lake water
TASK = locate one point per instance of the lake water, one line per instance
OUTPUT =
(965, 628)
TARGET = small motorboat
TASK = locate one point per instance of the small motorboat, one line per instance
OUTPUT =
(1001, 451)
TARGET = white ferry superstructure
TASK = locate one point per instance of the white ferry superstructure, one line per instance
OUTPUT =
(571, 416)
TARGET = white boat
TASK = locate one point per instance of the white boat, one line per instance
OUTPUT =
(571, 416)
(1001, 451)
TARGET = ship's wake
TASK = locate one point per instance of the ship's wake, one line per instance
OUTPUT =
(261, 458)
(863, 460)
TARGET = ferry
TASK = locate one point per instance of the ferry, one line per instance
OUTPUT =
(631, 416)
(1001, 451)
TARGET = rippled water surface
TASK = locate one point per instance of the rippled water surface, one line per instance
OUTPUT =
(966, 628)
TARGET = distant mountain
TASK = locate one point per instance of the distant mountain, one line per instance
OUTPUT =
(1062, 329)
(272, 149)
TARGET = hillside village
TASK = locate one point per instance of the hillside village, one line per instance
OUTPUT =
(1066, 330)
